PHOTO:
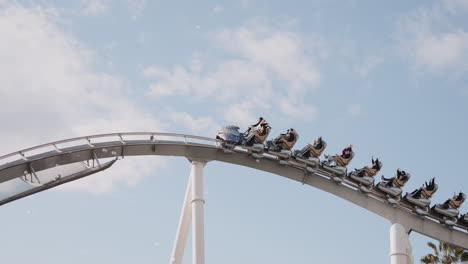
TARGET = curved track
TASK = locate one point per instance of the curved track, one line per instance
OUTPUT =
(98, 147)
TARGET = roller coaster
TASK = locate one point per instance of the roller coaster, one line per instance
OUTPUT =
(46, 166)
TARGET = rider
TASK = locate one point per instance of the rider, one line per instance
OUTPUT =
(314, 149)
(289, 137)
(373, 170)
(346, 152)
(260, 119)
(427, 186)
(375, 164)
(344, 158)
(257, 132)
(318, 143)
(455, 201)
(431, 185)
(402, 176)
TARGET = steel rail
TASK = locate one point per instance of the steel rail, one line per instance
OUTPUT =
(55, 143)
(374, 202)
(58, 182)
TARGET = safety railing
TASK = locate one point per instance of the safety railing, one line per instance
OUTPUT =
(56, 145)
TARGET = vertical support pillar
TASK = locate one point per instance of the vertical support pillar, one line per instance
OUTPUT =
(198, 204)
(400, 247)
(184, 226)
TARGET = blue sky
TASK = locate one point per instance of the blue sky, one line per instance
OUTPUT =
(388, 77)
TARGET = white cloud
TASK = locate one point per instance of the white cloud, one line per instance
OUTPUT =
(110, 46)
(95, 7)
(441, 51)
(230, 81)
(263, 56)
(142, 37)
(431, 42)
(354, 110)
(203, 125)
(128, 171)
(456, 6)
(152, 72)
(245, 3)
(240, 113)
(12, 187)
(297, 109)
(49, 93)
(368, 65)
(280, 51)
(218, 9)
(136, 7)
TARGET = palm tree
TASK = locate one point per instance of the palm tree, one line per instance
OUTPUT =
(445, 254)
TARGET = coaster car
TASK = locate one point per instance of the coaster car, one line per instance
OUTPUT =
(448, 211)
(230, 137)
(364, 177)
(420, 198)
(336, 165)
(254, 138)
(310, 154)
(281, 146)
(392, 187)
(463, 220)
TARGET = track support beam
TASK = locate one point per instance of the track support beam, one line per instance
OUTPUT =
(400, 246)
(184, 226)
(198, 210)
(192, 213)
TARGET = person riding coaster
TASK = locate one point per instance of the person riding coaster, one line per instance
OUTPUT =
(448, 211)
(283, 143)
(310, 154)
(257, 133)
(391, 187)
(365, 176)
(337, 164)
(420, 198)
(260, 120)
(254, 137)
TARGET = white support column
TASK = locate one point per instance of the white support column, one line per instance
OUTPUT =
(198, 203)
(184, 226)
(400, 247)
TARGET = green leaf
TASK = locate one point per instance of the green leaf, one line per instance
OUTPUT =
(430, 244)
(464, 256)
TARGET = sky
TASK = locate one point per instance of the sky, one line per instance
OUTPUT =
(389, 77)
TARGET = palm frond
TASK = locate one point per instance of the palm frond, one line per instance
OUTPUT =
(445, 254)
(430, 259)
(433, 246)
(464, 256)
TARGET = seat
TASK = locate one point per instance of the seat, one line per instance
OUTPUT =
(289, 145)
(261, 132)
(370, 171)
(457, 203)
(342, 161)
(428, 194)
(317, 152)
(400, 183)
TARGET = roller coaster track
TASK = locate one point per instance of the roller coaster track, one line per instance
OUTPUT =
(113, 146)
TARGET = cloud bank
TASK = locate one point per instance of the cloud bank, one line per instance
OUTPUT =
(50, 91)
